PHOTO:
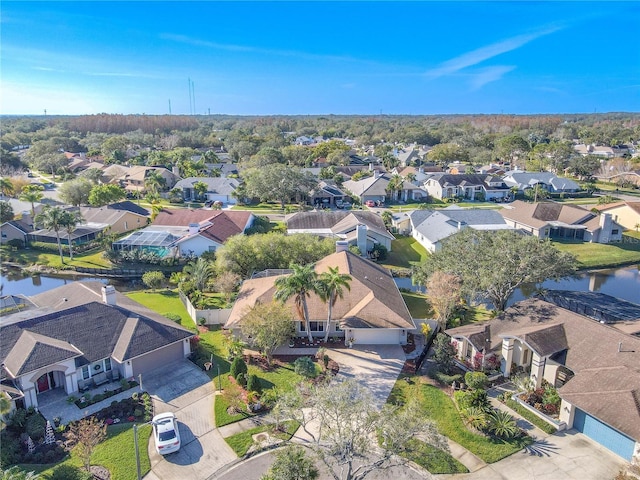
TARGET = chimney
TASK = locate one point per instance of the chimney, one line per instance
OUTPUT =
(109, 295)
(362, 239)
(376, 174)
(342, 246)
(371, 167)
(421, 169)
(175, 170)
(606, 226)
(194, 228)
(26, 218)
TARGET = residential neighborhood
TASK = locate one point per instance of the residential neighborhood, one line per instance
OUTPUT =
(241, 290)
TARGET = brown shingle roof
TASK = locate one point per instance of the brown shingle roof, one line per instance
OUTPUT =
(372, 302)
(605, 360)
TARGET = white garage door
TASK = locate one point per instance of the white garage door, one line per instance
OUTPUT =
(157, 359)
(376, 336)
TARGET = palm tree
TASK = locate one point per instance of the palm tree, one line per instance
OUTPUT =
(33, 194)
(5, 405)
(300, 284)
(6, 187)
(70, 221)
(199, 272)
(199, 189)
(394, 185)
(154, 181)
(411, 177)
(52, 218)
(332, 285)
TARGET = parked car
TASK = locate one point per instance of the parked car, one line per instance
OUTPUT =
(370, 203)
(165, 433)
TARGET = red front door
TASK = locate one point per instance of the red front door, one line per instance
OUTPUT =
(43, 383)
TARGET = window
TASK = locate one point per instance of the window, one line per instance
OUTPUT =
(212, 248)
(125, 226)
(469, 350)
(614, 231)
(85, 372)
(4, 235)
(525, 357)
(302, 327)
(107, 364)
(316, 326)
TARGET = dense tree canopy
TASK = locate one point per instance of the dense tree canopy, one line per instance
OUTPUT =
(492, 265)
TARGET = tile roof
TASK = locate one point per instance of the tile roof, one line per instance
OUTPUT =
(605, 361)
(183, 217)
(372, 302)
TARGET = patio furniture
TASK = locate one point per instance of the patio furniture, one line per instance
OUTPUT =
(100, 379)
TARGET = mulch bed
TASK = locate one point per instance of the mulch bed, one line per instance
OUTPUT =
(284, 361)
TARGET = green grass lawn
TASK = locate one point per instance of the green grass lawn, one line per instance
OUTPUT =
(405, 253)
(116, 453)
(417, 305)
(241, 442)
(163, 301)
(598, 255)
(440, 409)
(91, 259)
(433, 459)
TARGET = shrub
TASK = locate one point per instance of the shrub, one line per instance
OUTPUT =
(304, 366)
(138, 412)
(475, 379)
(502, 424)
(173, 317)
(253, 384)
(17, 419)
(242, 379)
(69, 472)
(446, 379)
(472, 398)
(35, 426)
(10, 452)
(238, 366)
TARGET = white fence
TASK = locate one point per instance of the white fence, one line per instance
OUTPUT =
(211, 317)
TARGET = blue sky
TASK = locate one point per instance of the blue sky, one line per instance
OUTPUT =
(319, 57)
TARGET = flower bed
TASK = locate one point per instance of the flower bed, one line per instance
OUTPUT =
(136, 408)
(87, 399)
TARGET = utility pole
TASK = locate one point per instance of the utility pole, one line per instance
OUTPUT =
(169, 106)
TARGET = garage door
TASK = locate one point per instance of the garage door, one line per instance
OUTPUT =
(157, 359)
(603, 434)
(376, 336)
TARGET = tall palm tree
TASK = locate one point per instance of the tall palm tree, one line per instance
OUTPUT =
(200, 189)
(32, 194)
(395, 185)
(300, 285)
(154, 181)
(52, 218)
(70, 221)
(6, 187)
(332, 285)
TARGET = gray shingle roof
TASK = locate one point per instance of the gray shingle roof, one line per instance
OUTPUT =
(219, 185)
(91, 331)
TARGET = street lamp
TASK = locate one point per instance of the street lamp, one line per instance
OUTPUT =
(135, 443)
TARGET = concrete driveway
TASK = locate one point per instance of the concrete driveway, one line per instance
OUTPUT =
(563, 456)
(188, 392)
(375, 366)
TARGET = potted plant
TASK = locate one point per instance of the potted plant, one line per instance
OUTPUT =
(292, 343)
(350, 342)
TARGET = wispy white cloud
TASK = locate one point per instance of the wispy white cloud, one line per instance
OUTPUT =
(488, 75)
(480, 55)
(263, 51)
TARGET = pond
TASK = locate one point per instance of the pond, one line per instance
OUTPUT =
(13, 282)
(622, 282)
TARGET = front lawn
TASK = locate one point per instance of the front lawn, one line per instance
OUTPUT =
(116, 453)
(433, 459)
(241, 442)
(598, 255)
(405, 253)
(440, 409)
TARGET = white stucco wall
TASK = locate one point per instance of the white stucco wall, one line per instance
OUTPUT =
(197, 244)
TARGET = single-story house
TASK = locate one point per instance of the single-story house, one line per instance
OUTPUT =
(225, 169)
(549, 181)
(326, 194)
(595, 367)
(625, 213)
(84, 233)
(181, 232)
(16, 230)
(371, 312)
(599, 150)
(219, 189)
(375, 188)
(431, 227)
(361, 228)
(562, 221)
(121, 217)
(81, 334)
(468, 186)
